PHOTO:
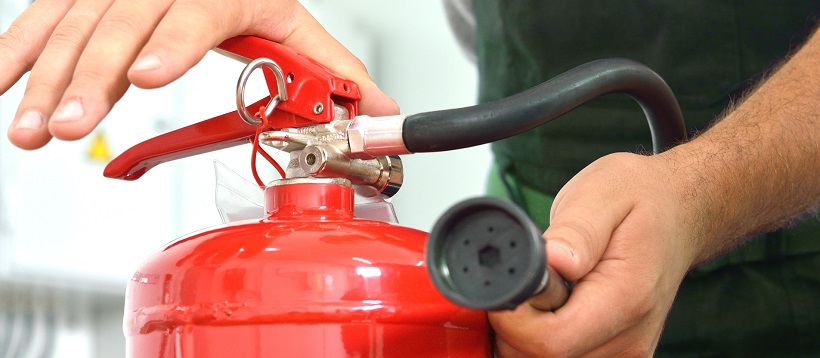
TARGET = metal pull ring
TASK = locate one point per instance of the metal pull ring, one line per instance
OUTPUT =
(243, 81)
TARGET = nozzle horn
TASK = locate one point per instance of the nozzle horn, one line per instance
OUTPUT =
(486, 253)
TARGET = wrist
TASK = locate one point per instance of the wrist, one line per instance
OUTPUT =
(689, 195)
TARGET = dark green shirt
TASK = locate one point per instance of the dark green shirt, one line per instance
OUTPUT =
(761, 300)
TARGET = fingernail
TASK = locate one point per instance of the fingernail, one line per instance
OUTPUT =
(567, 251)
(30, 120)
(69, 112)
(147, 63)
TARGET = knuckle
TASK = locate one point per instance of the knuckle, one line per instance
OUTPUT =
(13, 41)
(14, 37)
(587, 232)
(120, 22)
(99, 83)
(70, 34)
(38, 87)
(89, 75)
(211, 14)
(204, 15)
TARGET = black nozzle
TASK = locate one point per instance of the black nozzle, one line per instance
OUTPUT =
(485, 253)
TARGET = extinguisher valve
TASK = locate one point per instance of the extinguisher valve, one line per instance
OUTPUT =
(323, 151)
(329, 161)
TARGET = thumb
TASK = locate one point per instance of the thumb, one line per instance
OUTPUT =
(582, 221)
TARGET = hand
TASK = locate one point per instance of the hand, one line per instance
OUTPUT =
(620, 230)
(84, 54)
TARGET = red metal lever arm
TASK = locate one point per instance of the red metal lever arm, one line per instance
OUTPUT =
(220, 132)
(308, 84)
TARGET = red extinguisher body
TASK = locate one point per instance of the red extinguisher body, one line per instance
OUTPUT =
(308, 280)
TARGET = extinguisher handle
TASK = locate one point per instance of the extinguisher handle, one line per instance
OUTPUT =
(217, 133)
(312, 90)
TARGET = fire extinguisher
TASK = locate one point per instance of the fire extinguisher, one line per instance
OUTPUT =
(312, 279)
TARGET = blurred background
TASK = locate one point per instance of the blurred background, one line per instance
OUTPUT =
(70, 239)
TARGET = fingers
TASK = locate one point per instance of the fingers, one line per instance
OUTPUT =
(99, 78)
(622, 252)
(87, 66)
(584, 217)
(52, 72)
(20, 46)
(189, 30)
(598, 309)
(23, 41)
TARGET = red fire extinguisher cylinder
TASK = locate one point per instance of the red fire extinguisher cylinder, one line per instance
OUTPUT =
(307, 280)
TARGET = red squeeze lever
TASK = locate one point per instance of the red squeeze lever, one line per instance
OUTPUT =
(309, 85)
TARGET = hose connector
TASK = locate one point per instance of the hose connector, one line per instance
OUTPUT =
(371, 137)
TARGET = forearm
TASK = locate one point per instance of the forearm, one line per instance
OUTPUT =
(759, 167)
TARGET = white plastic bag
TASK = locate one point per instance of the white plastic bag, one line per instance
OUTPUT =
(236, 198)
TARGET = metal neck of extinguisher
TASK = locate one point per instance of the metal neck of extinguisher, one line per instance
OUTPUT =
(316, 199)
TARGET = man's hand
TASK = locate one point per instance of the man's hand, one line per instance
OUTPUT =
(617, 230)
(84, 54)
(628, 227)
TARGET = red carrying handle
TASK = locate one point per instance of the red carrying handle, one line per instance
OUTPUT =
(308, 84)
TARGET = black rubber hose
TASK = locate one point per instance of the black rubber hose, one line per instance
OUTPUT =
(440, 131)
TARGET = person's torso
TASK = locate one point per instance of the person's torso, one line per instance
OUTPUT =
(708, 51)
